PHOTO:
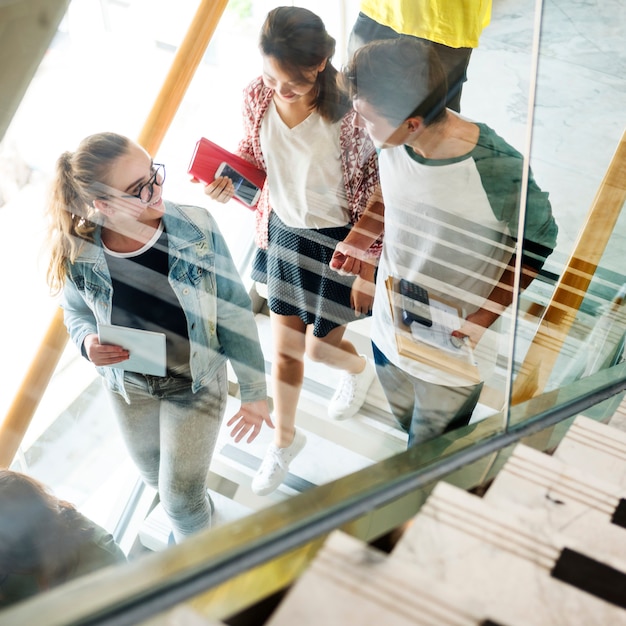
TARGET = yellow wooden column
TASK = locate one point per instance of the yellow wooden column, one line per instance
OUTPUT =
(184, 65)
(574, 282)
(186, 61)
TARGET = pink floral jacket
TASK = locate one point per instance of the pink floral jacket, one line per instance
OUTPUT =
(358, 159)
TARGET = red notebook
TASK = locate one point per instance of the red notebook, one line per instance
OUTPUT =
(207, 159)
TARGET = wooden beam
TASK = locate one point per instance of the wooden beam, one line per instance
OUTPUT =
(574, 282)
(186, 61)
(32, 389)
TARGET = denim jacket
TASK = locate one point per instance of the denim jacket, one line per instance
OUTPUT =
(220, 322)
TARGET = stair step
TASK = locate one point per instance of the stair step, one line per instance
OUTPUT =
(543, 490)
(155, 531)
(321, 461)
(595, 448)
(520, 571)
(372, 437)
(350, 583)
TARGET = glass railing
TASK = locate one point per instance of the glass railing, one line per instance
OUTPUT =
(222, 571)
(560, 343)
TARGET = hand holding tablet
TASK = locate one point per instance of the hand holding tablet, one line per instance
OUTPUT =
(147, 349)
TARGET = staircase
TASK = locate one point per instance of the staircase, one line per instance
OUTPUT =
(545, 545)
(77, 444)
(334, 448)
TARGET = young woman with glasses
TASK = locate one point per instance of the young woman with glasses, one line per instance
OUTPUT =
(123, 255)
(321, 170)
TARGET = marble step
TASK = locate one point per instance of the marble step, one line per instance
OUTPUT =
(543, 490)
(374, 437)
(595, 448)
(350, 583)
(322, 460)
(523, 572)
(155, 531)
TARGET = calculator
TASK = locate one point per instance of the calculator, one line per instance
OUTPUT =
(415, 304)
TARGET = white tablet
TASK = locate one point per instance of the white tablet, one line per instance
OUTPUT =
(146, 348)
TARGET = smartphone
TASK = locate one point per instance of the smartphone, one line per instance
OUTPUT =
(415, 304)
(245, 190)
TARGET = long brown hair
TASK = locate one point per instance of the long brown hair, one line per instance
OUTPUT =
(297, 39)
(39, 534)
(72, 218)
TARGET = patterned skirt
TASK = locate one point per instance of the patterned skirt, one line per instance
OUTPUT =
(299, 280)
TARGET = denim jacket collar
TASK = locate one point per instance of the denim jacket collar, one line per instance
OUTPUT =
(181, 232)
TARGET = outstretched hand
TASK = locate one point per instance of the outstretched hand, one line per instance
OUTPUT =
(249, 419)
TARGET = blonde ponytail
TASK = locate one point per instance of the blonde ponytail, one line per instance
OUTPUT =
(72, 218)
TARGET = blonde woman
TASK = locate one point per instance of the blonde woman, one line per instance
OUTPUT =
(121, 254)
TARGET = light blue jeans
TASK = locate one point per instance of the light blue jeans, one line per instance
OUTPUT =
(424, 410)
(170, 433)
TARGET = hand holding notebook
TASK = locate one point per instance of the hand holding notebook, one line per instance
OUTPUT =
(209, 161)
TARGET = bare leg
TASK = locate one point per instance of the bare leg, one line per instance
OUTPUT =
(288, 333)
(356, 372)
(334, 351)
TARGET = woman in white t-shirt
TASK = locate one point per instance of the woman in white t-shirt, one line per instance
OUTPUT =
(321, 171)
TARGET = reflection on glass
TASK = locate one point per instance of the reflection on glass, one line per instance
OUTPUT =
(578, 329)
(75, 449)
(45, 541)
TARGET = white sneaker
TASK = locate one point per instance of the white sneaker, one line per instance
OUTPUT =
(275, 465)
(351, 392)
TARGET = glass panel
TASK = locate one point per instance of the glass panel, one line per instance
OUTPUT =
(497, 93)
(107, 64)
(118, 53)
(575, 151)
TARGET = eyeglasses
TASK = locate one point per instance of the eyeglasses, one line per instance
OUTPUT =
(147, 189)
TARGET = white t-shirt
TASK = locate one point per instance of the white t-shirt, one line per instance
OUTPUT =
(446, 238)
(451, 225)
(304, 171)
